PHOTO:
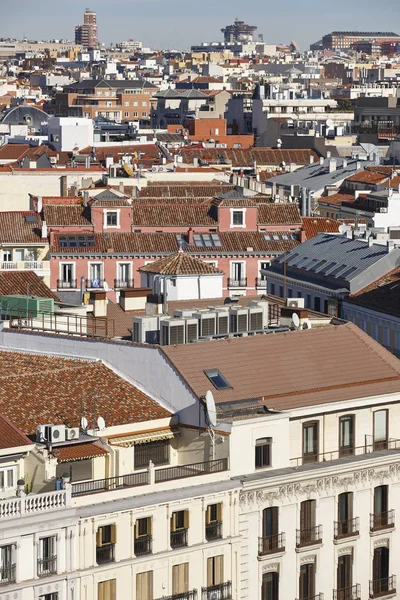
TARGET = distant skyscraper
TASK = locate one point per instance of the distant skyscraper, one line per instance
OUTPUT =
(87, 34)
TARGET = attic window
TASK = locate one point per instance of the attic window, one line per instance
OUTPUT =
(207, 239)
(77, 241)
(217, 379)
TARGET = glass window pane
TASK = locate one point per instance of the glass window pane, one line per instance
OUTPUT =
(380, 422)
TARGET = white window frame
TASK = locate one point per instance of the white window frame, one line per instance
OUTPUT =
(260, 262)
(5, 470)
(123, 262)
(95, 262)
(231, 263)
(67, 263)
(243, 211)
(115, 211)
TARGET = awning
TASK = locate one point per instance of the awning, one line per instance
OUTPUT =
(77, 452)
(132, 439)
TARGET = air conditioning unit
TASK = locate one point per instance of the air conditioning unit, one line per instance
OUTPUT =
(256, 318)
(239, 317)
(53, 160)
(383, 209)
(72, 433)
(41, 432)
(222, 321)
(182, 313)
(172, 332)
(207, 322)
(191, 330)
(295, 302)
(145, 330)
(264, 305)
(55, 433)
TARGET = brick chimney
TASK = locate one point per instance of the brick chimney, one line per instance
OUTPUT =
(190, 236)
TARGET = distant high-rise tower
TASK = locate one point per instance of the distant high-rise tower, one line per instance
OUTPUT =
(238, 32)
(87, 34)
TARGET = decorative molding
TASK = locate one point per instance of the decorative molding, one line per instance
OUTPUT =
(345, 550)
(267, 568)
(382, 543)
(307, 560)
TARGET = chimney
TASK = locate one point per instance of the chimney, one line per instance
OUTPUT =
(39, 205)
(195, 162)
(321, 160)
(99, 300)
(292, 167)
(332, 165)
(390, 245)
(328, 154)
(311, 159)
(190, 236)
(85, 197)
(121, 187)
(44, 230)
(64, 186)
(358, 165)
(302, 236)
(370, 241)
(344, 164)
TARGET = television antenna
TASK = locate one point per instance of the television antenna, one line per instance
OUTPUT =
(211, 418)
(296, 320)
(84, 424)
(101, 424)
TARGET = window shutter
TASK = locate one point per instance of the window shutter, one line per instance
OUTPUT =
(149, 526)
(220, 507)
(100, 591)
(173, 522)
(136, 529)
(113, 534)
(113, 586)
(208, 515)
(219, 569)
(99, 537)
(210, 569)
(175, 580)
(186, 577)
(186, 519)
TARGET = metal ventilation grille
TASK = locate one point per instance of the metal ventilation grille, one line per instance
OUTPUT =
(176, 335)
(207, 327)
(164, 336)
(242, 323)
(136, 333)
(223, 325)
(256, 321)
(191, 332)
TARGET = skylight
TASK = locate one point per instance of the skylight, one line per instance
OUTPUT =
(77, 241)
(217, 379)
(209, 240)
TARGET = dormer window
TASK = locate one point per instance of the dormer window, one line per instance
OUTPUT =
(111, 218)
(238, 218)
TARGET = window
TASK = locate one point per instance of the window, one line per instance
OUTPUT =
(105, 543)
(345, 525)
(7, 256)
(135, 103)
(308, 301)
(126, 114)
(382, 517)
(7, 567)
(106, 590)
(308, 532)
(263, 453)
(344, 575)
(215, 570)
(135, 114)
(381, 582)
(179, 528)
(217, 379)
(281, 291)
(157, 452)
(270, 540)
(346, 435)
(310, 442)
(144, 586)
(237, 217)
(272, 289)
(126, 104)
(8, 478)
(380, 430)
(144, 104)
(214, 521)
(270, 586)
(307, 581)
(317, 303)
(111, 218)
(47, 558)
(180, 579)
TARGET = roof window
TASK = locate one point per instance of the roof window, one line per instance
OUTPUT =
(217, 379)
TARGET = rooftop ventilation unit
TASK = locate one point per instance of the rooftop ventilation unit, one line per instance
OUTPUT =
(191, 330)
(51, 433)
(239, 317)
(182, 313)
(172, 332)
(207, 323)
(264, 305)
(222, 322)
(72, 433)
(295, 302)
(256, 318)
(145, 330)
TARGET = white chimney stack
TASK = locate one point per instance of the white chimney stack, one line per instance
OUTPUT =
(44, 230)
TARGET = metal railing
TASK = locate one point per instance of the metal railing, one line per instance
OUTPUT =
(179, 538)
(392, 444)
(105, 554)
(181, 471)
(222, 591)
(94, 283)
(156, 452)
(346, 528)
(271, 544)
(190, 595)
(47, 566)
(242, 282)
(319, 596)
(123, 283)
(7, 573)
(383, 520)
(214, 530)
(378, 588)
(66, 285)
(111, 483)
(348, 593)
(143, 545)
(309, 536)
(261, 283)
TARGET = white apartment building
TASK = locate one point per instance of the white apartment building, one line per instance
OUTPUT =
(294, 498)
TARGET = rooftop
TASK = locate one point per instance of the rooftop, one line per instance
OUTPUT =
(20, 282)
(180, 264)
(383, 295)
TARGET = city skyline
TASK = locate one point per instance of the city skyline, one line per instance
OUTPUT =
(173, 27)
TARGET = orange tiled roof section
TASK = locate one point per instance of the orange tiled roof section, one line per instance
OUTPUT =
(185, 189)
(162, 215)
(367, 177)
(180, 264)
(37, 389)
(65, 216)
(13, 151)
(246, 157)
(14, 228)
(11, 436)
(314, 225)
(18, 282)
(321, 365)
(78, 452)
(278, 214)
(337, 199)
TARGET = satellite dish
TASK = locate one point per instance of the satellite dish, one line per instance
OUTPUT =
(84, 423)
(329, 123)
(211, 410)
(296, 320)
(342, 228)
(101, 424)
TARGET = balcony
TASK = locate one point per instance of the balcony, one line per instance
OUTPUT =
(223, 591)
(94, 283)
(213, 531)
(34, 503)
(271, 544)
(237, 283)
(143, 478)
(41, 267)
(319, 596)
(105, 554)
(345, 529)
(47, 566)
(309, 536)
(7, 574)
(123, 284)
(66, 285)
(179, 538)
(348, 593)
(383, 520)
(261, 283)
(143, 545)
(324, 457)
(380, 588)
(190, 595)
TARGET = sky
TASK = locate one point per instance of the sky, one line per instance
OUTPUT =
(177, 24)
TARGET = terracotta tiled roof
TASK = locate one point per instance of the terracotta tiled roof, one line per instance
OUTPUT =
(383, 295)
(14, 228)
(65, 216)
(153, 215)
(186, 189)
(393, 183)
(246, 157)
(149, 151)
(17, 282)
(68, 389)
(321, 365)
(57, 200)
(78, 452)
(278, 214)
(336, 199)
(10, 436)
(13, 151)
(180, 264)
(367, 177)
(171, 200)
(314, 225)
